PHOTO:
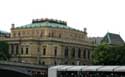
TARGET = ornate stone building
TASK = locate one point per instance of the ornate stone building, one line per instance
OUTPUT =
(49, 42)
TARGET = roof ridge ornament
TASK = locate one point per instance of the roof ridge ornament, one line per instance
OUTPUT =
(49, 20)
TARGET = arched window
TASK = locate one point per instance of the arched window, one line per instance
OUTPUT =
(73, 52)
(79, 53)
(66, 52)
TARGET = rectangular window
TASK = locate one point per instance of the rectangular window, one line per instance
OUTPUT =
(88, 54)
(43, 63)
(59, 35)
(44, 51)
(79, 53)
(66, 52)
(21, 50)
(17, 48)
(27, 50)
(55, 51)
(84, 53)
(73, 52)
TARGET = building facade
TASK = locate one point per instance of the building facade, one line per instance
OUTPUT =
(96, 40)
(49, 42)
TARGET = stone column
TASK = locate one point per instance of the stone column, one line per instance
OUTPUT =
(19, 52)
(10, 49)
(14, 49)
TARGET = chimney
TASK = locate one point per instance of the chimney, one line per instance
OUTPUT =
(85, 30)
(12, 26)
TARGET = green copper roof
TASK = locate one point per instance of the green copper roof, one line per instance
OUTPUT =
(45, 24)
(114, 39)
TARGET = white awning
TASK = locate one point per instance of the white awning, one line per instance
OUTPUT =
(56, 67)
(76, 68)
(107, 68)
(88, 68)
(64, 68)
(120, 69)
(91, 68)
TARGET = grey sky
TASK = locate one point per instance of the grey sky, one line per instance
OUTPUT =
(98, 16)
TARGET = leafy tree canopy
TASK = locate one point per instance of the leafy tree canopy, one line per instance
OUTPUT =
(105, 54)
(4, 52)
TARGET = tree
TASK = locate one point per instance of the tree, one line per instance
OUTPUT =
(105, 54)
(4, 50)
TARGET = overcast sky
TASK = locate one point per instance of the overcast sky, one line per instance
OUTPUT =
(98, 16)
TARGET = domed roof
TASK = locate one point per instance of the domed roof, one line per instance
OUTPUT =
(50, 23)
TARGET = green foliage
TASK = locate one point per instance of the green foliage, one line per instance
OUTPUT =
(4, 52)
(106, 54)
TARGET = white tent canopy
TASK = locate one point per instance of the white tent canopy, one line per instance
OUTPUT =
(87, 68)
